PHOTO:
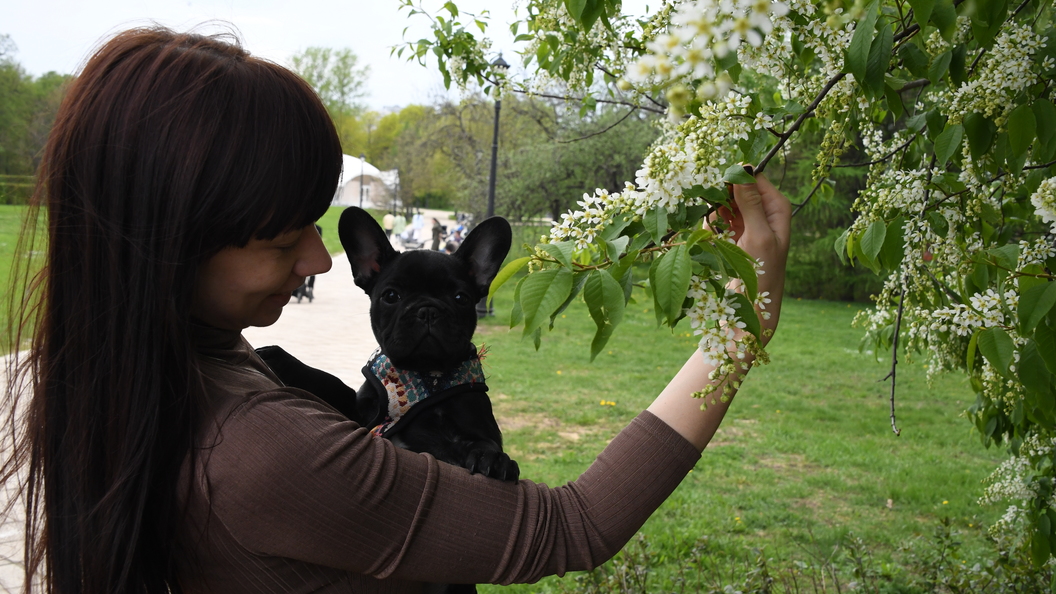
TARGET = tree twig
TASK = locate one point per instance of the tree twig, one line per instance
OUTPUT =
(885, 157)
(894, 352)
(800, 206)
(606, 129)
(799, 121)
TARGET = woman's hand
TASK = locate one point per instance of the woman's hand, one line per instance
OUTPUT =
(760, 219)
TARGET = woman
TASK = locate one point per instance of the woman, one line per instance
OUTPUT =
(180, 182)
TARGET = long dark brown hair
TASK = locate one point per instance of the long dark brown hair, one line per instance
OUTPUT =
(167, 148)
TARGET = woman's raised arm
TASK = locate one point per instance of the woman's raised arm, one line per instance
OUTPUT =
(760, 219)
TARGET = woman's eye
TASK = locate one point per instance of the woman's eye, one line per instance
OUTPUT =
(463, 298)
(390, 296)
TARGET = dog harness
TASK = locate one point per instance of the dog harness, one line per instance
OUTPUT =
(405, 388)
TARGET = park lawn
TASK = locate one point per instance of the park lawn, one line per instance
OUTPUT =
(805, 456)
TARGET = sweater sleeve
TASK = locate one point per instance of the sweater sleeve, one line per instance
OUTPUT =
(290, 478)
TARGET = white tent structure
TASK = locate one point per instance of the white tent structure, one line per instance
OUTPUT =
(378, 187)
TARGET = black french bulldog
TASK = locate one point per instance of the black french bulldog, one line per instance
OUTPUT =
(423, 314)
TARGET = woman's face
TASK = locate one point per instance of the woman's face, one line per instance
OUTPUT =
(248, 286)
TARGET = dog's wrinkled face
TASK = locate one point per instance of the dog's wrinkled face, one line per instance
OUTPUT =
(423, 303)
(423, 310)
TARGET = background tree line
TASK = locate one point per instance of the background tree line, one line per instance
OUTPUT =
(27, 110)
(550, 154)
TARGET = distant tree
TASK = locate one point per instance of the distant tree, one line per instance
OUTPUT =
(340, 82)
(27, 111)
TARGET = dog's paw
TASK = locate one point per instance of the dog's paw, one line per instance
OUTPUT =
(492, 464)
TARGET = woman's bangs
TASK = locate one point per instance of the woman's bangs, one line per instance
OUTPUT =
(300, 184)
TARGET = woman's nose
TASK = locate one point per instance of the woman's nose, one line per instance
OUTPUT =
(314, 257)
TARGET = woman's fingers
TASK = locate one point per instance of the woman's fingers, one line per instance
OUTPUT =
(763, 219)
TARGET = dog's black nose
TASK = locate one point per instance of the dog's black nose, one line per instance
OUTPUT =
(429, 315)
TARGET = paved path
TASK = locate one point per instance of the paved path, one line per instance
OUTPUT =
(332, 333)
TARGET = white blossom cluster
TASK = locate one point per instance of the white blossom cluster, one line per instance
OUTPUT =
(1044, 201)
(986, 310)
(702, 31)
(715, 319)
(689, 154)
(594, 214)
(1037, 251)
(1012, 482)
(1006, 70)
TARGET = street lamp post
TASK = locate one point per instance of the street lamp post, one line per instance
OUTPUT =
(500, 66)
(362, 166)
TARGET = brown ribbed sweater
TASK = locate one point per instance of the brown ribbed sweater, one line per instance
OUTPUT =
(289, 496)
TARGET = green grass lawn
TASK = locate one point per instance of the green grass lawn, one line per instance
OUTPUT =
(805, 456)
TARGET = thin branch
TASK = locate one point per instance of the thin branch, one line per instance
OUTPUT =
(913, 84)
(800, 206)
(885, 157)
(894, 352)
(799, 121)
(602, 131)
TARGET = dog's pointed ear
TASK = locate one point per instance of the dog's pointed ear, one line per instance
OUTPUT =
(484, 249)
(366, 245)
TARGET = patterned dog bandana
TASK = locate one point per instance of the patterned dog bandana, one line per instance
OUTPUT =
(406, 388)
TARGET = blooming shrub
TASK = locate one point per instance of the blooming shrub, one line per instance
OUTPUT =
(949, 101)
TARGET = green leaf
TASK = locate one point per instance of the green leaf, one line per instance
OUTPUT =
(1045, 117)
(1039, 548)
(944, 16)
(973, 344)
(1031, 369)
(980, 132)
(856, 59)
(670, 281)
(894, 102)
(561, 251)
(913, 59)
(1021, 128)
(998, 348)
(736, 174)
(578, 280)
(541, 293)
(655, 222)
(841, 245)
(516, 313)
(922, 11)
(878, 60)
(747, 314)
(604, 297)
(616, 247)
(1035, 304)
(742, 264)
(948, 143)
(873, 239)
(893, 251)
(939, 224)
(506, 274)
(1046, 339)
(936, 123)
(575, 8)
(593, 10)
(939, 66)
(1006, 256)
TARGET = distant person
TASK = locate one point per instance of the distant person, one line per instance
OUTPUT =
(438, 232)
(387, 223)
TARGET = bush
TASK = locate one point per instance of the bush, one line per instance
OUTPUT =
(16, 189)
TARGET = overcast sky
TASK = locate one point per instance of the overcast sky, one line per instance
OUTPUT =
(56, 35)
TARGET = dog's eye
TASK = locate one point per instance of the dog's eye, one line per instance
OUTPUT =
(390, 296)
(462, 298)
